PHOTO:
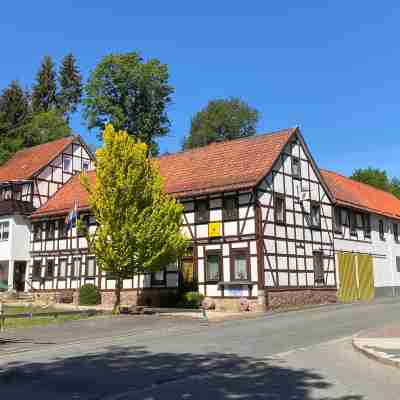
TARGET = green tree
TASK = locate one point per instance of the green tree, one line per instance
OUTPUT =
(130, 94)
(44, 93)
(221, 119)
(42, 128)
(14, 108)
(395, 187)
(372, 176)
(138, 223)
(70, 81)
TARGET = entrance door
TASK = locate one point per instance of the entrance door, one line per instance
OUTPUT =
(187, 272)
(19, 275)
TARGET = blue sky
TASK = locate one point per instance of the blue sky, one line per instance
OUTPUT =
(331, 67)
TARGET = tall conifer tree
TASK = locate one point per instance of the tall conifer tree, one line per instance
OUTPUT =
(44, 93)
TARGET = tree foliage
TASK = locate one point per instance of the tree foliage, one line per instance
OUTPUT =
(14, 108)
(44, 93)
(130, 94)
(222, 119)
(70, 82)
(28, 119)
(377, 178)
(138, 223)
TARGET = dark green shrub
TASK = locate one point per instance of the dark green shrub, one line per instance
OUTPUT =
(89, 295)
(193, 299)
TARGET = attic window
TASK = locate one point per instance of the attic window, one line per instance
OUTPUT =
(67, 164)
(296, 172)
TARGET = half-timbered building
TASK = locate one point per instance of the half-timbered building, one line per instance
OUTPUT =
(258, 216)
(366, 229)
(27, 181)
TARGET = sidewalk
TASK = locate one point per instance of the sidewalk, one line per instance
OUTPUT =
(382, 344)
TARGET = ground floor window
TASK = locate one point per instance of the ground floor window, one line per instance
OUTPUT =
(318, 267)
(158, 278)
(62, 268)
(213, 266)
(240, 265)
(76, 268)
(50, 269)
(4, 230)
(37, 269)
(90, 267)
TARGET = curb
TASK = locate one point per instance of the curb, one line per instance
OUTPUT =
(373, 355)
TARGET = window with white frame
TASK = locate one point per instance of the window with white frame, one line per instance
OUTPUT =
(4, 230)
(85, 165)
(279, 203)
(296, 170)
(90, 267)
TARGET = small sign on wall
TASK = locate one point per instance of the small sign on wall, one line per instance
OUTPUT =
(214, 229)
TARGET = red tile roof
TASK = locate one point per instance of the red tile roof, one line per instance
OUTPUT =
(351, 193)
(64, 199)
(222, 166)
(25, 163)
(226, 166)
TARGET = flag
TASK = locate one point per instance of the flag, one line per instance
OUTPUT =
(72, 217)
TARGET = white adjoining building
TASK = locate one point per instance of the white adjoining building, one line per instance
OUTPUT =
(27, 181)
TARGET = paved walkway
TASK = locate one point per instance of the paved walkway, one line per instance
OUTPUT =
(382, 344)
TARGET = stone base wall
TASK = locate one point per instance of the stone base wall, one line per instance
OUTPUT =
(294, 298)
(233, 304)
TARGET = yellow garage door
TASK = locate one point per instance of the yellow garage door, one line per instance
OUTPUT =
(365, 277)
(348, 290)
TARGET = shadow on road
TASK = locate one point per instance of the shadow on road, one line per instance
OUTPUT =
(146, 375)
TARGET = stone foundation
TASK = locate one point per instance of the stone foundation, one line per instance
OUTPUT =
(296, 298)
(233, 304)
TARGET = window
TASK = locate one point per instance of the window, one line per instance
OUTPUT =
(398, 264)
(202, 211)
(158, 278)
(90, 266)
(67, 164)
(296, 171)
(239, 265)
(338, 220)
(37, 231)
(213, 266)
(62, 268)
(50, 230)
(50, 269)
(4, 230)
(315, 214)
(18, 192)
(318, 267)
(367, 225)
(230, 210)
(85, 165)
(37, 269)
(353, 223)
(381, 230)
(396, 232)
(279, 202)
(76, 268)
(62, 229)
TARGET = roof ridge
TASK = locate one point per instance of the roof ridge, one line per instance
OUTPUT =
(43, 144)
(256, 136)
(361, 183)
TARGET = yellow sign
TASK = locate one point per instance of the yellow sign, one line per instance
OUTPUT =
(214, 229)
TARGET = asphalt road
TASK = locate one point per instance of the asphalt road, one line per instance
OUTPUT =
(296, 355)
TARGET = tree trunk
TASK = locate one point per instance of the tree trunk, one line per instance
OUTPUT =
(117, 303)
